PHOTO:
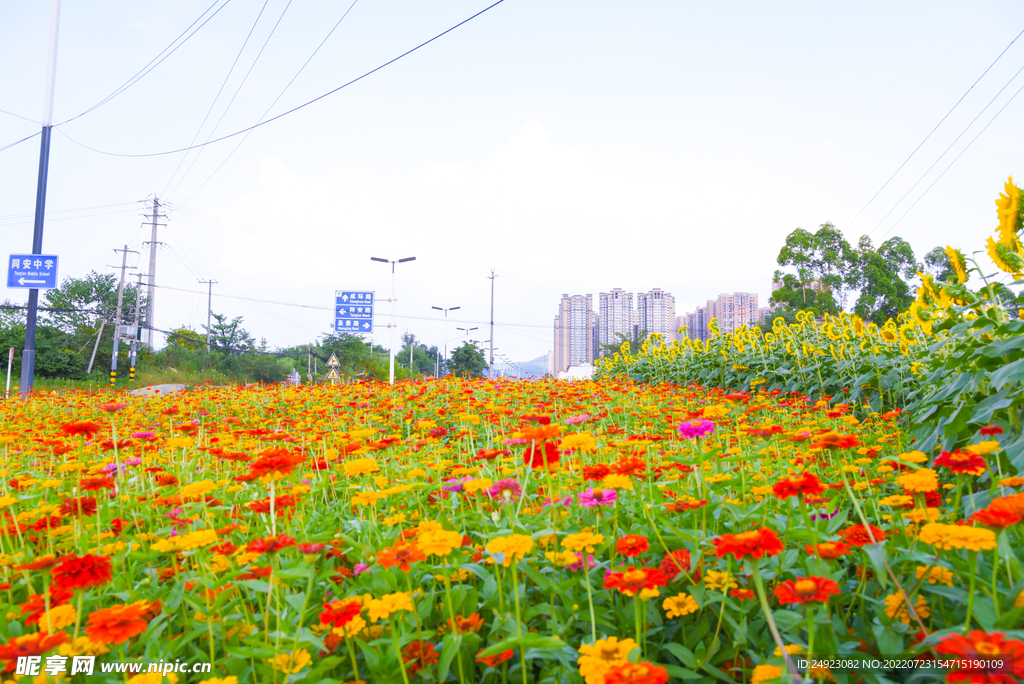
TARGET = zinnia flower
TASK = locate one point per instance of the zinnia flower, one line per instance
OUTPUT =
(513, 547)
(82, 573)
(86, 428)
(634, 580)
(984, 646)
(858, 535)
(632, 545)
(803, 485)
(755, 543)
(418, 656)
(896, 607)
(636, 673)
(679, 605)
(118, 624)
(29, 645)
(806, 589)
(401, 555)
(695, 428)
(961, 462)
(598, 497)
(339, 613)
(829, 550)
(494, 660)
(507, 489)
(543, 455)
(275, 460)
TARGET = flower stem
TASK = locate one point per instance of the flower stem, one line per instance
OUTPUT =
(972, 557)
(519, 624)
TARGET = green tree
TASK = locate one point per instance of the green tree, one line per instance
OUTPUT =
(620, 339)
(882, 279)
(823, 262)
(468, 360)
(423, 357)
(230, 334)
(187, 338)
(937, 264)
(85, 301)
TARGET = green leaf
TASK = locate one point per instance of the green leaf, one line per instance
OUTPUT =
(681, 672)
(684, 654)
(877, 555)
(452, 643)
(1011, 372)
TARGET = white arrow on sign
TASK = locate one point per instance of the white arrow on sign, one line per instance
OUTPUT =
(344, 298)
(22, 281)
(366, 325)
(342, 312)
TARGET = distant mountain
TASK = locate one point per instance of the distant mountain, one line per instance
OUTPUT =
(537, 367)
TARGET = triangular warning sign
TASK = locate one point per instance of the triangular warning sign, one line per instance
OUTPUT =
(333, 375)
(333, 362)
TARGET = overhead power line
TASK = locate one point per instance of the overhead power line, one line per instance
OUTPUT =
(933, 130)
(294, 109)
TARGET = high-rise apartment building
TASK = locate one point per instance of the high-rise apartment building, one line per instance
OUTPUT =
(615, 314)
(656, 313)
(574, 332)
(732, 310)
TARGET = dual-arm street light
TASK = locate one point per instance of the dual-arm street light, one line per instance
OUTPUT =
(391, 372)
(446, 310)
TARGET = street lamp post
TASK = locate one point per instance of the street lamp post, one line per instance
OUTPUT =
(446, 310)
(391, 371)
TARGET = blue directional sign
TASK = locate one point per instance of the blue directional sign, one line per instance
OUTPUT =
(353, 312)
(32, 271)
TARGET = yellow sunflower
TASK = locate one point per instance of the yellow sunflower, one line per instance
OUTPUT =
(959, 264)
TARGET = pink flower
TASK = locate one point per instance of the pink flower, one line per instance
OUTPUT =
(598, 497)
(499, 488)
(696, 428)
(578, 565)
(582, 418)
(360, 568)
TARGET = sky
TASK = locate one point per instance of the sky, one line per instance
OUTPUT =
(572, 147)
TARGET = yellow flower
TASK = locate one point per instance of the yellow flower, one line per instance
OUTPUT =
(290, 663)
(474, 486)
(153, 678)
(958, 537)
(896, 500)
(715, 580)
(896, 607)
(172, 545)
(913, 457)
(596, 660)
(361, 466)
(679, 605)
(82, 646)
(197, 539)
(959, 264)
(1011, 482)
(219, 563)
(6, 501)
(935, 575)
(514, 547)
(791, 649)
(218, 680)
(396, 519)
(920, 481)
(923, 515)
(561, 559)
(439, 542)
(1019, 601)
(1008, 211)
(765, 673)
(59, 617)
(582, 441)
(582, 540)
(616, 481)
(196, 489)
(983, 448)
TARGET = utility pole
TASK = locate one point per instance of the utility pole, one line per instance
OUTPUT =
(135, 332)
(28, 355)
(410, 354)
(117, 315)
(209, 311)
(491, 365)
(391, 371)
(151, 309)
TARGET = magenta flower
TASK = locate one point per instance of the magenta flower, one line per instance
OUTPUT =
(455, 484)
(508, 489)
(598, 497)
(578, 565)
(360, 568)
(565, 501)
(582, 418)
(696, 428)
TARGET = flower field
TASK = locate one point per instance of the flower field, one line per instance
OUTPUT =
(479, 531)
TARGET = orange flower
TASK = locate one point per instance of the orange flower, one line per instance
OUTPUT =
(29, 645)
(86, 428)
(118, 624)
(401, 555)
(466, 625)
(829, 550)
(339, 613)
(834, 440)
(636, 673)
(806, 484)
(857, 535)
(679, 561)
(806, 589)
(632, 545)
(634, 580)
(961, 462)
(494, 660)
(755, 543)
(998, 515)
(419, 655)
(82, 573)
(984, 646)
(275, 460)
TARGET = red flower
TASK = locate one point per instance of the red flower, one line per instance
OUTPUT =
(400, 556)
(635, 580)
(632, 545)
(35, 605)
(275, 460)
(676, 562)
(86, 428)
(419, 655)
(82, 573)
(29, 645)
(596, 472)
(270, 544)
(85, 505)
(805, 484)
(41, 563)
(806, 589)
(755, 543)
(997, 515)
(636, 673)
(834, 440)
(339, 613)
(961, 462)
(990, 430)
(742, 594)
(542, 455)
(857, 535)
(311, 550)
(984, 646)
(829, 550)
(494, 660)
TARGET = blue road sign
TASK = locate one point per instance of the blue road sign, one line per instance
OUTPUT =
(32, 271)
(353, 312)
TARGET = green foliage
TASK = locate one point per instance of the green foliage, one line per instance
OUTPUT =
(468, 360)
(823, 262)
(634, 344)
(187, 338)
(937, 265)
(882, 276)
(230, 334)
